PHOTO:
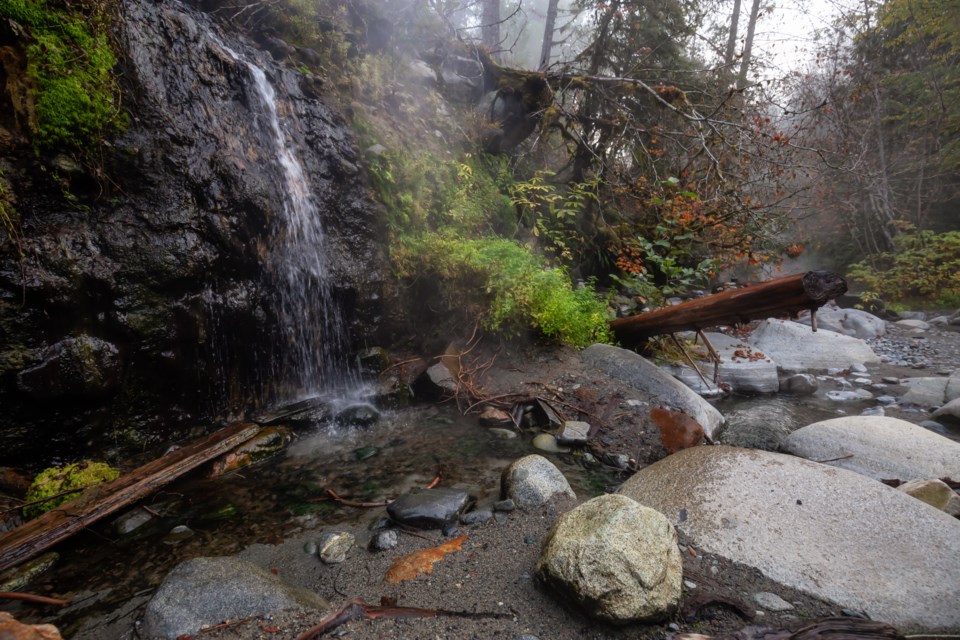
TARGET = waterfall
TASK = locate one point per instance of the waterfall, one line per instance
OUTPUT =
(310, 356)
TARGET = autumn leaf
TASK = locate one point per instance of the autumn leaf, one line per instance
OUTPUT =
(421, 562)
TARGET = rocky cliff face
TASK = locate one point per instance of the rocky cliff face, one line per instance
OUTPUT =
(146, 302)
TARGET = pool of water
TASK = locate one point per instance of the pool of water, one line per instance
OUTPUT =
(273, 500)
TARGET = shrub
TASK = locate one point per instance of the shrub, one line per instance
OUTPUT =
(923, 265)
(56, 480)
(514, 288)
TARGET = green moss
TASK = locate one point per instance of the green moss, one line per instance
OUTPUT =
(56, 480)
(512, 287)
(76, 99)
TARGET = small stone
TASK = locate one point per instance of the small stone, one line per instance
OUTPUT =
(476, 517)
(449, 529)
(636, 403)
(888, 400)
(131, 520)
(619, 460)
(857, 367)
(310, 548)
(936, 493)
(574, 432)
(178, 534)
(384, 540)
(358, 415)
(890, 380)
(333, 547)
(771, 601)
(548, 443)
(873, 411)
(863, 381)
(493, 417)
(533, 480)
(503, 434)
(673, 626)
(505, 506)
(689, 584)
(849, 396)
(365, 453)
(801, 384)
(429, 509)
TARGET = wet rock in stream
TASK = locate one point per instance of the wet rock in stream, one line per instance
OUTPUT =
(430, 508)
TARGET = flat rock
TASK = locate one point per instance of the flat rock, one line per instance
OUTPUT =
(925, 392)
(855, 323)
(796, 348)
(771, 601)
(742, 367)
(912, 323)
(878, 447)
(617, 559)
(643, 375)
(532, 480)
(800, 384)
(207, 591)
(855, 395)
(949, 412)
(829, 532)
(435, 383)
(574, 432)
(430, 508)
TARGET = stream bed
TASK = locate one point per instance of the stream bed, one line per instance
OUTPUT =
(99, 570)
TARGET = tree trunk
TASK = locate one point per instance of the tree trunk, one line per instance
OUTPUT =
(97, 502)
(748, 44)
(490, 28)
(790, 294)
(732, 38)
(547, 48)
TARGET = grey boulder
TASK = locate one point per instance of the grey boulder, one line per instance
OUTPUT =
(796, 347)
(881, 448)
(430, 508)
(207, 591)
(617, 559)
(533, 480)
(635, 370)
(829, 532)
(855, 323)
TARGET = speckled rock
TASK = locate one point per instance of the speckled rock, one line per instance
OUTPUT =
(616, 559)
(878, 447)
(796, 348)
(532, 480)
(206, 591)
(815, 528)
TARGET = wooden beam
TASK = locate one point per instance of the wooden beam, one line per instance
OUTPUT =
(43, 532)
(786, 295)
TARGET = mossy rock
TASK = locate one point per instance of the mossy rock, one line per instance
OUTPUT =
(56, 480)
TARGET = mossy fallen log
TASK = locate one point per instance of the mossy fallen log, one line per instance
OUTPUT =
(95, 503)
(788, 295)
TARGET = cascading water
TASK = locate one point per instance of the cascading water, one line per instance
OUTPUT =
(311, 355)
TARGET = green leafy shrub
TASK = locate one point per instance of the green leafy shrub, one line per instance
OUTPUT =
(924, 265)
(76, 99)
(56, 480)
(641, 261)
(513, 288)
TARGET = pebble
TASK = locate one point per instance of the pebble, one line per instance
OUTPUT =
(178, 534)
(506, 506)
(333, 546)
(771, 601)
(863, 380)
(891, 380)
(385, 540)
(858, 367)
(476, 517)
(873, 411)
(674, 626)
(690, 584)
(548, 443)
(449, 529)
(310, 547)
(885, 399)
(503, 434)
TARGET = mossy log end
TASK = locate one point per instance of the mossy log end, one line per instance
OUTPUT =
(788, 295)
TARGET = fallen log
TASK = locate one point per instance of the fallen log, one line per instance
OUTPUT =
(99, 501)
(788, 295)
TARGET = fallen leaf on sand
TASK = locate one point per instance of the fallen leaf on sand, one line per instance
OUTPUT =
(418, 563)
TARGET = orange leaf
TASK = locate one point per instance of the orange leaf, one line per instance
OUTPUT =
(420, 562)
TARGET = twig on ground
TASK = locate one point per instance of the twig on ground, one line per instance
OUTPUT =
(29, 597)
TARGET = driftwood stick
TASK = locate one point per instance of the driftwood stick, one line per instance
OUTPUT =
(357, 609)
(693, 364)
(29, 597)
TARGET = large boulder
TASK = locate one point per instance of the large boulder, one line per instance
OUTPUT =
(616, 559)
(796, 347)
(532, 481)
(855, 323)
(643, 375)
(206, 591)
(742, 367)
(878, 447)
(829, 532)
